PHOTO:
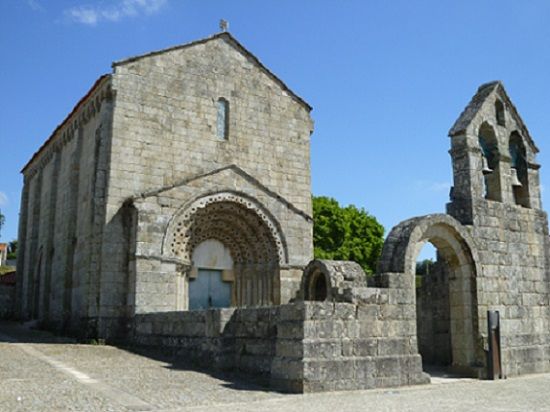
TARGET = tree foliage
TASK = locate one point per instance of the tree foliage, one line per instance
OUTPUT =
(346, 233)
(424, 267)
(12, 249)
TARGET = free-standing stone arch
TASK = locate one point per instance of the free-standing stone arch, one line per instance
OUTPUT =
(331, 280)
(457, 249)
(246, 229)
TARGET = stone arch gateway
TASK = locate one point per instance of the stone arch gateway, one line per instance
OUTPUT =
(457, 249)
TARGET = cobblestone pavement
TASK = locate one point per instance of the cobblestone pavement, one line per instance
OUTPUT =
(39, 372)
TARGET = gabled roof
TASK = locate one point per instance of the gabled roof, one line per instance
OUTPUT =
(475, 105)
(233, 42)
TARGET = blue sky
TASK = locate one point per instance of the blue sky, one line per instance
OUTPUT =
(386, 79)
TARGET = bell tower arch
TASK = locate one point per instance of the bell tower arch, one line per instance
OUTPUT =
(493, 156)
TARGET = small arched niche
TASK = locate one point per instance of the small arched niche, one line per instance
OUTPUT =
(489, 162)
(317, 287)
(500, 113)
(518, 171)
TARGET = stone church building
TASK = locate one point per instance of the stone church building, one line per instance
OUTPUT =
(180, 181)
(172, 208)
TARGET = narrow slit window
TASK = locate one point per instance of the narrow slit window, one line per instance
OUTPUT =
(223, 119)
(499, 112)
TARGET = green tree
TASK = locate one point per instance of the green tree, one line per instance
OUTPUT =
(346, 233)
(424, 267)
(12, 249)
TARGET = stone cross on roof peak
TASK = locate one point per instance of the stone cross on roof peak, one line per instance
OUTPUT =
(224, 25)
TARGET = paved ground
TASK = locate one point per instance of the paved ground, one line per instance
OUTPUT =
(39, 372)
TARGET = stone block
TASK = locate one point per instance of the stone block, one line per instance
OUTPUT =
(393, 346)
(287, 369)
(401, 297)
(372, 328)
(290, 330)
(368, 312)
(292, 312)
(345, 311)
(365, 347)
(387, 367)
(325, 349)
(289, 348)
(328, 370)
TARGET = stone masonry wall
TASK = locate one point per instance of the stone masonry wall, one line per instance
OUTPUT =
(298, 347)
(240, 340)
(513, 252)
(165, 123)
(55, 236)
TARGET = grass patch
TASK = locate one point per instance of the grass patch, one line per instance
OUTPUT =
(4, 270)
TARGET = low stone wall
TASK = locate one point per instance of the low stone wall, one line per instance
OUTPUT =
(241, 340)
(360, 346)
(297, 347)
(7, 301)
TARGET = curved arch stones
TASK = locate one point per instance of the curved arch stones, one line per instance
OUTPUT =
(405, 241)
(340, 279)
(188, 211)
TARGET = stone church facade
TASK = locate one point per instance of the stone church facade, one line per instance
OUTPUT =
(172, 208)
(195, 155)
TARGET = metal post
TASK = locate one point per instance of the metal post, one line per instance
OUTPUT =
(494, 360)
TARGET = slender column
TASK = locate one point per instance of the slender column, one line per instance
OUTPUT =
(32, 259)
(49, 247)
(22, 269)
(99, 201)
(71, 216)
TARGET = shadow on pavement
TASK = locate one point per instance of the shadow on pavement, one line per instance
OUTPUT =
(18, 332)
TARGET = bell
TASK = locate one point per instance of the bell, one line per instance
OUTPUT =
(514, 176)
(485, 166)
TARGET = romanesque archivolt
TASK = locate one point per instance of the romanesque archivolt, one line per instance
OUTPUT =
(239, 221)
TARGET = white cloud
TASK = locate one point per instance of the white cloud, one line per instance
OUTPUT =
(94, 14)
(432, 186)
(35, 5)
(3, 199)
(440, 187)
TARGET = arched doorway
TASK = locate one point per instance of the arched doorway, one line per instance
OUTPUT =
(457, 286)
(239, 228)
(433, 318)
